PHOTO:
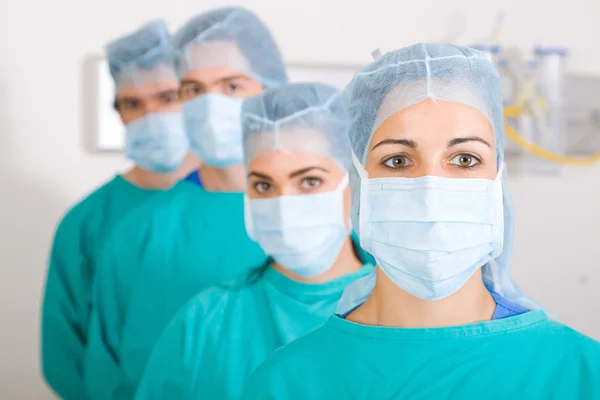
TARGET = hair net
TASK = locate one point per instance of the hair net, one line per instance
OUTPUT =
(303, 117)
(141, 57)
(232, 37)
(432, 71)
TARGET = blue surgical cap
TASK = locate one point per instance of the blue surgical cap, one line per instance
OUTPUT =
(410, 75)
(141, 57)
(297, 117)
(231, 37)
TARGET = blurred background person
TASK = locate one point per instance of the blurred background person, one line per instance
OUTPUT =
(193, 236)
(147, 101)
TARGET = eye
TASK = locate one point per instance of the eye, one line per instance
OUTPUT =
(169, 98)
(232, 88)
(190, 90)
(262, 187)
(465, 160)
(397, 162)
(130, 104)
(310, 183)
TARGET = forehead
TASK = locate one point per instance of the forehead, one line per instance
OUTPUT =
(303, 139)
(436, 122)
(149, 88)
(282, 163)
(213, 54)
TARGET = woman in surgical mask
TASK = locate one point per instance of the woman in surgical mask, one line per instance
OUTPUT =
(297, 153)
(440, 317)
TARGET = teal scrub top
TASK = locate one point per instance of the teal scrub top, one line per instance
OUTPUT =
(211, 347)
(158, 258)
(72, 268)
(523, 357)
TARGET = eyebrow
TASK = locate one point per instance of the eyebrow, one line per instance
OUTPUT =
(404, 142)
(305, 170)
(166, 92)
(456, 141)
(216, 81)
(127, 98)
(259, 175)
(230, 78)
(190, 81)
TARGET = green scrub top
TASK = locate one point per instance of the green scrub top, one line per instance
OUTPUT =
(210, 349)
(522, 357)
(158, 258)
(72, 267)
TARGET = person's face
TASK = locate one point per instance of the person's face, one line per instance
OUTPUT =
(288, 173)
(436, 138)
(222, 80)
(134, 102)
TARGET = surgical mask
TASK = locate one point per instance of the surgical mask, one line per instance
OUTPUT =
(303, 233)
(430, 234)
(213, 123)
(157, 142)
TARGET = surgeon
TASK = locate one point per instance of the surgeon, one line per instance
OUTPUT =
(298, 204)
(440, 317)
(148, 103)
(191, 237)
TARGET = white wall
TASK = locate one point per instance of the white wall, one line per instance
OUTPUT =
(44, 167)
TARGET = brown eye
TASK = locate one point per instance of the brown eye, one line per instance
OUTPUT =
(129, 104)
(262, 187)
(232, 88)
(310, 183)
(397, 162)
(465, 160)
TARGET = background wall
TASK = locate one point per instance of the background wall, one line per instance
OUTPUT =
(44, 166)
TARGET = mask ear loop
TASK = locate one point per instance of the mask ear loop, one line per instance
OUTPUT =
(343, 183)
(499, 193)
(362, 208)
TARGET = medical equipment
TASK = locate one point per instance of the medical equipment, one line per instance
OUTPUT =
(535, 100)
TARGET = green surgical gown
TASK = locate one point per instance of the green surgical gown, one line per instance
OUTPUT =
(158, 258)
(214, 343)
(72, 268)
(522, 357)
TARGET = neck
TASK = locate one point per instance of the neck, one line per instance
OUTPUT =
(346, 263)
(232, 179)
(389, 305)
(152, 180)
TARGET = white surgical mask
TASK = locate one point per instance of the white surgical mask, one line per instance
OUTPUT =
(303, 233)
(213, 123)
(157, 142)
(430, 234)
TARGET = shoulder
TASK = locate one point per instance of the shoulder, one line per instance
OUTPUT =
(307, 348)
(82, 212)
(208, 310)
(560, 333)
(295, 370)
(153, 213)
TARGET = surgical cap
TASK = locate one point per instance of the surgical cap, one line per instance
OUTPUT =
(306, 117)
(141, 57)
(410, 75)
(231, 37)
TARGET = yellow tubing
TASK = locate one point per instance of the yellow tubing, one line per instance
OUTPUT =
(514, 111)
